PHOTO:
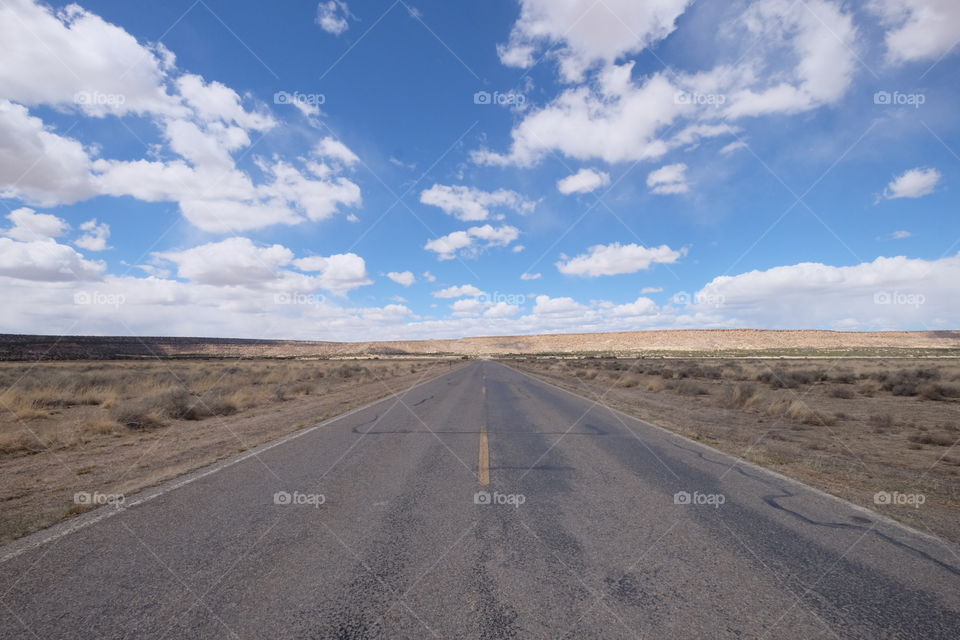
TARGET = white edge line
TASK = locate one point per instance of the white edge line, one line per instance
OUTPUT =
(752, 465)
(55, 532)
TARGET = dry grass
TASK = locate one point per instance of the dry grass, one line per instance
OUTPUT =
(39, 402)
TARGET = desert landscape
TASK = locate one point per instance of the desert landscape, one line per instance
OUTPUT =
(668, 343)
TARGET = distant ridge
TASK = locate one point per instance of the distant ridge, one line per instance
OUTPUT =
(38, 347)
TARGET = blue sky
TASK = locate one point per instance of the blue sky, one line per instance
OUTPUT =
(382, 170)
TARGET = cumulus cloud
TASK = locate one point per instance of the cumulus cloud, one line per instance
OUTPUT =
(238, 262)
(458, 291)
(338, 273)
(918, 29)
(914, 183)
(530, 276)
(819, 35)
(616, 258)
(332, 16)
(547, 306)
(588, 32)
(332, 148)
(795, 57)
(203, 122)
(405, 278)
(471, 204)
(473, 241)
(45, 260)
(38, 165)
(234, 261)
(73, 59)
(95, 237)
(583, 181)
(28, 225)
(669, 179)
(639, 307)
(894, 292)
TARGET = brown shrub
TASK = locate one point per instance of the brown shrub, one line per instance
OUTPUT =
(938, 439)
(844, 393)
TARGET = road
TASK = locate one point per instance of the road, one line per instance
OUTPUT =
(482, 504)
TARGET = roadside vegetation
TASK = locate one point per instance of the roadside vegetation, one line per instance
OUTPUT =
(850, 426)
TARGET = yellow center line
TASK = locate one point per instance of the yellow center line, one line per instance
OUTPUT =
(483, 466)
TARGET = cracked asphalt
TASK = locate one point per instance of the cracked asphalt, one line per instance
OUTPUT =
(400, 520)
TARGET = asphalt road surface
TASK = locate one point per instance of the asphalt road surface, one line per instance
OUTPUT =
(481, 504)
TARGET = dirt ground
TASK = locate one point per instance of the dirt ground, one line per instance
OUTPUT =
(118, 427)
(852, 427)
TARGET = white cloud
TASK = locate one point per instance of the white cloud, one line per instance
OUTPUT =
(918, 29)
(230, 262)
(37, 165)
(203, 122)
(338, 273)
(914, 183)
(429, 277)
(405, 278)
(214, 101)
(547, 306)
(501, 310)
(45, 261)
(96, 236)
(467, 307)
(463, 242)
(458, 291)
(446, 247)
(583, 181)
(28, 225)
(332, 16)
(590, 32)
(818, 34)
(895, 292)
(74, 59)
(616, 258)
(733, 147)
(332, 148)
(472, 204)
(669, 179)
(615, 122)
(794, 57)
(238, 262)
(530, 276)
(640, 307)
(900, 235)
